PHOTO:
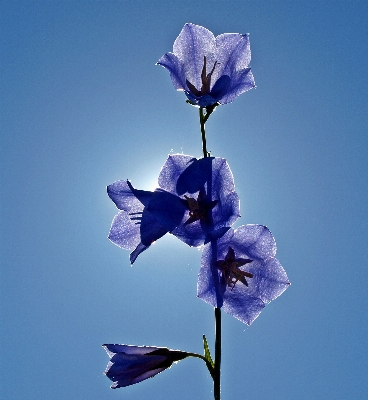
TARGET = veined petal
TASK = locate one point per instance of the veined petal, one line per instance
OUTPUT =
(267, 279)
(135, 231)
(193, 43)
(172, 63)
(256, 241)
(126, 197)
(271, 280)
(124, 231)
(232, 52)
(241, 82)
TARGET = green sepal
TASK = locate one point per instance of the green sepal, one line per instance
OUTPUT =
(207, 353)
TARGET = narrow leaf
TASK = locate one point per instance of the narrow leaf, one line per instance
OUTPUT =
(207, 353)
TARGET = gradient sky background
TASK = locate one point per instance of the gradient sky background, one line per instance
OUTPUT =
(83, 105)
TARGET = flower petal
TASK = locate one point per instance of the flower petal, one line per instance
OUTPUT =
(241, 82)
(255, 241)
(126, 197)
(167, 208)
(128, 369)
(193, 43)
(271, 280)
(172, 63)
(232, 53)
(124, 231)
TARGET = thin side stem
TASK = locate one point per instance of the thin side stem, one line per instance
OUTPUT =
(217, 373)
(209, 366)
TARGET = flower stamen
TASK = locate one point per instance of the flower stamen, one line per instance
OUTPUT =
(198, 209)
(230, 269)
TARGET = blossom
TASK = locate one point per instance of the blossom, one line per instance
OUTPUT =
(206, 188)
(133, 364)
(210, 70)
(239, 272)
(195, 201)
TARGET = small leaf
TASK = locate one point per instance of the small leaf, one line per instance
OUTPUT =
(207, 353)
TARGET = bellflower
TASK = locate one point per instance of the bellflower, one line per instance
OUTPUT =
(133, 364)
(195, 201)
(206, 188)
(239, 272)
(210, 70)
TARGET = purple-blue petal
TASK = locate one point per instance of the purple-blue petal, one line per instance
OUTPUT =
(112, 349)
(271, 280)
(124, 231)
(128, 369)
(220, 88)
(201, 101)
(126, 197)
(135, 231)
(167, 208)
(193, 43)
(183, 174)
(256, 241)
(172, 63)
(233, 53)
(241, 82)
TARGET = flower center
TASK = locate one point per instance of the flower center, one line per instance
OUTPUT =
(198, 209)
(231, 271)
(205, 78)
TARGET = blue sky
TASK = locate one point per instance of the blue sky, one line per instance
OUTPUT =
(83, 105)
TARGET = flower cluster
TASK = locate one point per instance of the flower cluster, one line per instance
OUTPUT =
(196, 202)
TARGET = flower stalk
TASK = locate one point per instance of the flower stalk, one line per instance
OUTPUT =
(203, 119)
(217, 372)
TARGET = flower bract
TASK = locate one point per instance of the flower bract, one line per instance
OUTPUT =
(133, 364)
(240, 274)
(210, 70)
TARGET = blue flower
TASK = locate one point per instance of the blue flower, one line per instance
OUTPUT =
(206, 189)
(239, 272)
(209, 69)
(133, 364)
(195, 201)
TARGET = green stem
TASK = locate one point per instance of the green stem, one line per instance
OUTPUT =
(217, 372)
(202, 120)
(209, 366)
